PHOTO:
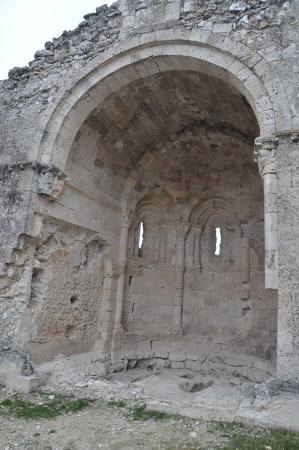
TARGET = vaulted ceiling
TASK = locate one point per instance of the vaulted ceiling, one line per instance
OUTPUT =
(176, 128)
(158, 110)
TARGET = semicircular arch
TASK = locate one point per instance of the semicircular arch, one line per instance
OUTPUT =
(137, 59)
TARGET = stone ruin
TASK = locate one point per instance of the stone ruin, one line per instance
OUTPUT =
(149, 192)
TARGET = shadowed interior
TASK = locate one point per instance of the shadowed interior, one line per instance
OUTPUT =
(175, 149)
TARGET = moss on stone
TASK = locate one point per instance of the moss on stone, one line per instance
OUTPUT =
(21, 408)
(256, 438)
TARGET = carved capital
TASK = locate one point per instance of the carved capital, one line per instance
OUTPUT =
(50, 185)
(265, 154)
(127, 218)
(51, 180)
(182, 229)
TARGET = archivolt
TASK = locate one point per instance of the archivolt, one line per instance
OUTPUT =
(139, 58)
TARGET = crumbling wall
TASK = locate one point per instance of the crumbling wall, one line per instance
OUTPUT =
(63, 314)
(15, 291)
(17, 243)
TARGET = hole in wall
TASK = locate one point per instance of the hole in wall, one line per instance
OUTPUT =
(73, 299)
(69, 332)
(218, 241)
(35, 272)
(245, 310)
(130, 279)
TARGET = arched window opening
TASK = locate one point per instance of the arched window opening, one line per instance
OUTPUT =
(218, 241)
(140, 239)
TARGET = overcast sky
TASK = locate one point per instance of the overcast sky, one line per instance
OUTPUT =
(25, 25)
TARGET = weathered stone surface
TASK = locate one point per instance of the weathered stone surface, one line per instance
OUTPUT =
(148, 113)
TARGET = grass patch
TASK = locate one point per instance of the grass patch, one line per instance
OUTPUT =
(117, 403)
(20, 408)
(140, 413)
(254, 438)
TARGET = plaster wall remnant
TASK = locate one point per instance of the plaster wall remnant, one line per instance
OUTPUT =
(180, 116)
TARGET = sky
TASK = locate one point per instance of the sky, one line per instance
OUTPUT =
(25, 25)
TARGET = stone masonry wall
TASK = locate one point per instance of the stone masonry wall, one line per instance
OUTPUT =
(85, 199)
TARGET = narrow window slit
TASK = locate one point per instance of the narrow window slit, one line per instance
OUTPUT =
(218, 241)
(140, 238)
(140, 235)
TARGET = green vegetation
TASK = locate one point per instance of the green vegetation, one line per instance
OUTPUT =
(226, 436)
(141, 413)
(255, 438)
(117, 403)
(18, 407)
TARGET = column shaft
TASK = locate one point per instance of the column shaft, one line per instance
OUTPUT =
(181, 232)
(122, 266)
(266, 157)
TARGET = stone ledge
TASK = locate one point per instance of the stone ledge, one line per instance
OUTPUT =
(20, 383)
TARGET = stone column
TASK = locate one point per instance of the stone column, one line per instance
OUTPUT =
(107, 313)
(163, 244)
(197, 237)
(288, 262)
(181, 233)
(245, 261)
(265, 155)
(122, 266)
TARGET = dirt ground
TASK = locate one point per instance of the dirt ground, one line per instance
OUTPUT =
(100, 426)
(193, 407)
